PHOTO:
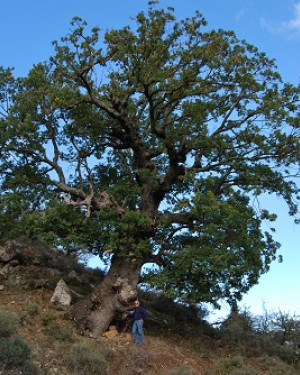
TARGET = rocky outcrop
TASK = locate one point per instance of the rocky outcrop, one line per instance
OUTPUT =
(9, 251)
(27, 266)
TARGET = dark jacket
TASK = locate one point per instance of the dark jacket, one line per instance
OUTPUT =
(138, 313)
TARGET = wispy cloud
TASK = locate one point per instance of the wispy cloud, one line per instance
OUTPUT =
(289, 28)
(294, 23)
(240, 14)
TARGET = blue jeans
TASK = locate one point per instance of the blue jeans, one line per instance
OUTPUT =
(138, 332)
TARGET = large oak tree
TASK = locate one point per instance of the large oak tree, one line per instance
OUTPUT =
(149, 145)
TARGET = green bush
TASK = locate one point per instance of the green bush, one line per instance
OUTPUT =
(231, 366)
(275, 366)
(238, 327)
(284, 352)
(59, 331)
(14, 351)
(33, 309)
(85, 360)
(48, 318)
(15, 354)
(8, 324)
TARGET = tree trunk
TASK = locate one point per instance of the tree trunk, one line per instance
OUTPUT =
(114, 295)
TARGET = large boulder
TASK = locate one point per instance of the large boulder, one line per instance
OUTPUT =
(62, 294)
(10, 250)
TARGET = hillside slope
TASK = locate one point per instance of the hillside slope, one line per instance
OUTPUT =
(177, 341)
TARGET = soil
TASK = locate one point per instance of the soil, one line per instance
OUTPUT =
(157, 356)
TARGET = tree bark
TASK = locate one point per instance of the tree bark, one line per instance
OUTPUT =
(115, 294)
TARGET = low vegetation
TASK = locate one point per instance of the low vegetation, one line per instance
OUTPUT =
(15, 354)
(37, 338)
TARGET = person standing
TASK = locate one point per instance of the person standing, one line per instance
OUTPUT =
(139, 315)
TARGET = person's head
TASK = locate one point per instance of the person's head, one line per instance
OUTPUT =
(136, 303)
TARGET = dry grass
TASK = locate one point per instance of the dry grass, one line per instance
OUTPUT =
(179, 347)
(159, 356)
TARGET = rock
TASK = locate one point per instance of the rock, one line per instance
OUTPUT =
(9, 250)
(11, 277)
(41, 283)
(74, 278)
(62, 294)
(53, 272)
(1, 287)
(5, 271)
(111, 334)
(13, 280)
(14, 262)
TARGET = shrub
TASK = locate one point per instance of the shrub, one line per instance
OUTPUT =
(14, 351)
(48, 318)
(237, 327)
(284, 352)
(231, 366)
(56, 329)
(275, 366)
(33, 309)
(59, 331)
(8, 324)
(85, 360)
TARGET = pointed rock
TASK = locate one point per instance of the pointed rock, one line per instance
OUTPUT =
(62, 294)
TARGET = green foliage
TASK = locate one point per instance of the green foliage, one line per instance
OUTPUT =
(56, 328)
(238, 328)
(59, 331)
(222, 258)
(150, 144)
(275, 366)
(48, 318)
(289, 327)
(282, 335)
(85, 360)
(33, 309)
(275, 335)
(8, 324)
(231, 366)
(14, 351)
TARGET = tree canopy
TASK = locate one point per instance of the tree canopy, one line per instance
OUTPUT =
(150, 143)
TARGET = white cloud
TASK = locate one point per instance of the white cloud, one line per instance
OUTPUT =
(294, 24)
(289, 28)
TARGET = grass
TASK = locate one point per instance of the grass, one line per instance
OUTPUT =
(36, 339)
(232, 366)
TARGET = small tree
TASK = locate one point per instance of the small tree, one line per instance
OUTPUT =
(148, 145)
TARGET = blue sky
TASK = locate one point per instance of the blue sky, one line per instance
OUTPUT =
(28, 27)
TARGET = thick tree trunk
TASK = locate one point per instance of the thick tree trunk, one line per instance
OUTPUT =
(114, 295)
